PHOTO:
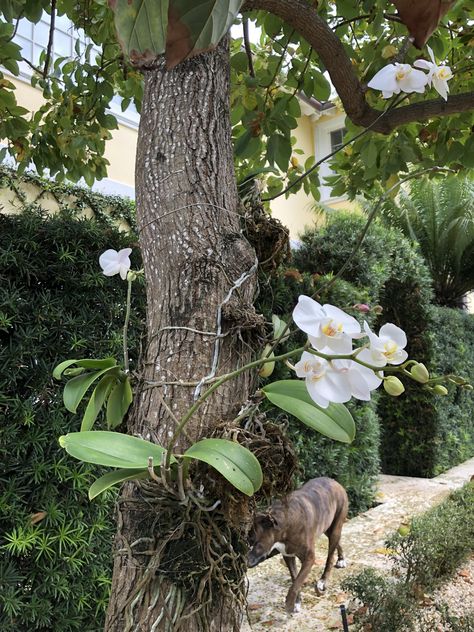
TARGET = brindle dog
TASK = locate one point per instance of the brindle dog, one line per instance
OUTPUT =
(291, 527)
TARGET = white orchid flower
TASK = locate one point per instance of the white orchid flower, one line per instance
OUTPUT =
(396, 78)
(326, 325)
(361, 379)
(323, 383)
(438, 76)
(113, 262)
(386, 348)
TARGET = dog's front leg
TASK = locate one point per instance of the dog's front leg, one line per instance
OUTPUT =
(306, 565)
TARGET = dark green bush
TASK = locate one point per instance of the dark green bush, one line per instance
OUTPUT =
(55, 545)
(421, 434)
(389, 604)
(438, 541)
(452, 339)
(436, 545)
(355, 466)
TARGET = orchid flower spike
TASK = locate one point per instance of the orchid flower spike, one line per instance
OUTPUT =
(396, 78)
(438, 76)
(326, 325)
(113, 262)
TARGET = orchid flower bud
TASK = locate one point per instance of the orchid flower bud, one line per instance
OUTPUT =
(393, 386)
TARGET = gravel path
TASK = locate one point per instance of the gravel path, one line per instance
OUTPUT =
(363, 540)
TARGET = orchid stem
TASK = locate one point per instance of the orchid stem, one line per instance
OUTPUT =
(125, 325)
(225, 378)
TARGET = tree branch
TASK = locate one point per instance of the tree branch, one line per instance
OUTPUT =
(305, 20)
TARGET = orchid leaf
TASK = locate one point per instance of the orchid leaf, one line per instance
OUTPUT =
(112, 449)
(118, 403)
(335, 421)
(76, 388)
(237, 464)
(114, 478)
(96, 401)
(86, 363)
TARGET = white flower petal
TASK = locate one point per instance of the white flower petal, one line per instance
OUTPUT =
(441, 86)
(392, 332)
(431, 54)
(315, 393)
(414, 81)
(385, 79)
(307, 315)
(351, 325)
(398, 357)
(373, 357)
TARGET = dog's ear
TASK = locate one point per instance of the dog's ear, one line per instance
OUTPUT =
(267, 521)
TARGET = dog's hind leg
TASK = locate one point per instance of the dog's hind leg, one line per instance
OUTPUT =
(290, 562)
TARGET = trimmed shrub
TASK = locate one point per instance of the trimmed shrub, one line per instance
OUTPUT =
(388, 605)
(55, 545)
(438, 541)
(437, 544)
(355, 466)
(452, 339)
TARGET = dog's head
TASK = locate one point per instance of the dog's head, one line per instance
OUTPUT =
(262, 537)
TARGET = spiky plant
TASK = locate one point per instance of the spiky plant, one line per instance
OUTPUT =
(439, 215)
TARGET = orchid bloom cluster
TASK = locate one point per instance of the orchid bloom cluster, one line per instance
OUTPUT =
(331, 332)
(396, 78)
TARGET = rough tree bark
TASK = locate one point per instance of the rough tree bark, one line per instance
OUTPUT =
(194, 254)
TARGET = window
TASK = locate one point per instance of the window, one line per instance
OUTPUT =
(33, 38)
(337, 138)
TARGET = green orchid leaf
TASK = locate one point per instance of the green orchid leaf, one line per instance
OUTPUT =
(335, 421)
(97, 400)
(141, 27)
(197, 26)
(118, 403)
(114, 478)
(86, 363)
(279, 327)
(237, 464)
(76, 388)
(112, 449)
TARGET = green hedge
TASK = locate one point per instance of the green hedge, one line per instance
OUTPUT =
(421, 434)
(355, 466)
(55, 545)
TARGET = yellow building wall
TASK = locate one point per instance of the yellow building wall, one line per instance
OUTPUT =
(120, 149)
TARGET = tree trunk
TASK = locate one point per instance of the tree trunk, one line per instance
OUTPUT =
(200, 275)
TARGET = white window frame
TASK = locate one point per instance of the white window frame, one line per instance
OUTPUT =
(322, 145)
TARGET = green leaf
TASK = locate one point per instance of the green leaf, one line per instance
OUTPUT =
(97, 400)
(279, 327)
(118, 403)
(334, 422)
(279, 151)
(322, 87)
(87, 363)
(237, 464)
(197, 26)
(76, 388)
(114, 478)
(141, 27)
(112, 449)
